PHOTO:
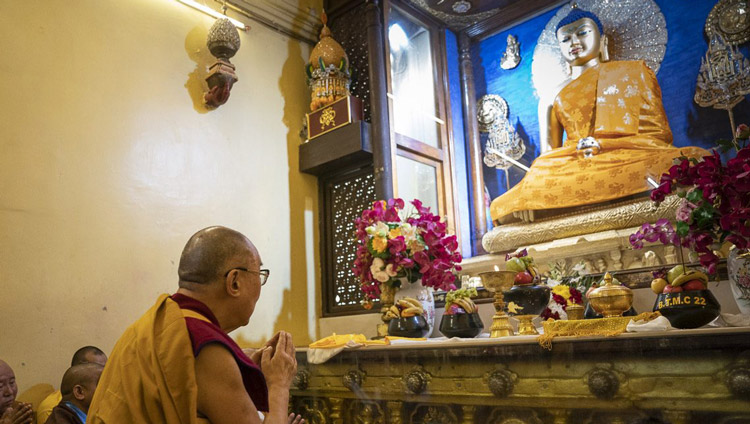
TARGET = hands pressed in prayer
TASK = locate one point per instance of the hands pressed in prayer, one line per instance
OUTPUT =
(20, 413)
(278, 362)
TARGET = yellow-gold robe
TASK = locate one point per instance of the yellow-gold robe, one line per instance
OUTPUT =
(150, 375)
(619, 104)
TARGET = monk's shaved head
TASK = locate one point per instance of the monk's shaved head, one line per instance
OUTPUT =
(209, 252)
(88, 354)
(81, 374)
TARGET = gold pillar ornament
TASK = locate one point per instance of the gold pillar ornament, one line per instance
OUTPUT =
(223, 41)
(327, 70)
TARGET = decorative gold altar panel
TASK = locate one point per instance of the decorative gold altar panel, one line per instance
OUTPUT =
(619, 104)
(681, 377)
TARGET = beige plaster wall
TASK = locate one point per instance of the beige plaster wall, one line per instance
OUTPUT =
(109, 162)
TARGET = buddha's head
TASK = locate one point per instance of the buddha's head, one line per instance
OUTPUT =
(581, 37)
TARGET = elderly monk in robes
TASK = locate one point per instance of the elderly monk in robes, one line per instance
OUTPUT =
(12, 411)
(177, 364)
(614, 111)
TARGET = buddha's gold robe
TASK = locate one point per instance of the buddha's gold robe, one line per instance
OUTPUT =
(619, 104)
(150, 375)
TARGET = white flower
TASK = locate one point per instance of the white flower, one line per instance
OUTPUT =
(376, 269)
(579, 268)
(390, 271)
(380, 230)
(552, 283)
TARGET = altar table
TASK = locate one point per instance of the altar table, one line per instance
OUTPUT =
(679, 377)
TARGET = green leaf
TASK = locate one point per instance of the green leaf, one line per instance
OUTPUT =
(695, 196)
(703, 217)
(725, 145)
(682, 228)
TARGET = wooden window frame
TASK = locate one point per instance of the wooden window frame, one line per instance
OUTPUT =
(414, 149)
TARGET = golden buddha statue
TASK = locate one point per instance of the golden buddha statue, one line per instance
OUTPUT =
(617, 131)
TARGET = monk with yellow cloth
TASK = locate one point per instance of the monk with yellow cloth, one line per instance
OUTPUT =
(617, 130)
(177, 364)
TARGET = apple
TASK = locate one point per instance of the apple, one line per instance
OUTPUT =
(523, 278)
(675, 272)
(694, 285)
(672, 289)
(658, 285)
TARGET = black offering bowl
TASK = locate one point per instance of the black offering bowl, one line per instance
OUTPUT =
(690, 309)
(413, 327)
(461, 325)
(531, 300)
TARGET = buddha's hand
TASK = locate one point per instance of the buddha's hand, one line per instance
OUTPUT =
(20, 413)
(278, 362)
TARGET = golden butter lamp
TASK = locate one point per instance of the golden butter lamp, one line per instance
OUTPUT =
(612, 298)
(498, 282)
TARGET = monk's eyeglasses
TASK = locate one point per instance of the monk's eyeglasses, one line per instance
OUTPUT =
(263, 273)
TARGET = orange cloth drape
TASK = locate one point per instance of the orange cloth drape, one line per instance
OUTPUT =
(150, 375)
(619, 104)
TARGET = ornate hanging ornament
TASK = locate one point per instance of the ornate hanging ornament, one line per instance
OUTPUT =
(636, 30)
(327, 70)
(731, 20)
(724, 77)
(503, 142)
(223, 41)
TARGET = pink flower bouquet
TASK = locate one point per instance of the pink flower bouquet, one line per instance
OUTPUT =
(715, 205)
(392, 246)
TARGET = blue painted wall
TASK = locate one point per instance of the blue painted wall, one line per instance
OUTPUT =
(691, 124)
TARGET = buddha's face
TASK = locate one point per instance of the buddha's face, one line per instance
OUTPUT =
(579, 41)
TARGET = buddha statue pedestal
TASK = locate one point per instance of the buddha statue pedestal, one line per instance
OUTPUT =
(598, 238)
(591, 220)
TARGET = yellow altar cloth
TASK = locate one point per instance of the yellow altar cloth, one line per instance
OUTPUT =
(619, 104)
(590, 327)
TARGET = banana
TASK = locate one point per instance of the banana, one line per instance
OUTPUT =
(390, 315)
(408, 302)
(413, 301)
(689, 276)
(466, 304)
(413, 311)
(394, 310)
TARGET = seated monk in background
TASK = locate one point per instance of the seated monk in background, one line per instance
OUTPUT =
(617, 131)
(177, 364)
(84, 355)
(78, 387)
(11, 411)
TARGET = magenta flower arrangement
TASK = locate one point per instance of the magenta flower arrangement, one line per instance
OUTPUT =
(392, 245)
(714, 206)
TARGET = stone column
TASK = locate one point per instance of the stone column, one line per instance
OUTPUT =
(380, 128)
(473, 143)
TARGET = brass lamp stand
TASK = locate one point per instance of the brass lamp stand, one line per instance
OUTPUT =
(498, 282)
